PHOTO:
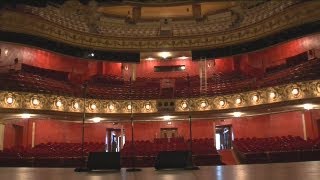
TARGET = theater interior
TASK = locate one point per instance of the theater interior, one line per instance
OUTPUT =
(234, 84)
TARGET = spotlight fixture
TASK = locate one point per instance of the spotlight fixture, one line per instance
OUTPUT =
(96, 119)
(308, 106)
(237, 114)
(164, 55)
(295, 91)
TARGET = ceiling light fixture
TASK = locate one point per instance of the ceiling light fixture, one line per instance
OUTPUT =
(25, 116)
(308, 106)
(96, 119)
(166, 118)
(295, 91)
(164, 55)
(183, 57)
(237, 114)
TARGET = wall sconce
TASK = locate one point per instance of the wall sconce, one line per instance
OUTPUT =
(75, 105)
(222, 102)
(255, 98)
(58, 103)
(295, 91)
(148, 106)
(238, 101)
(35, 101)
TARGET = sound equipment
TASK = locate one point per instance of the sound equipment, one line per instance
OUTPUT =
(172, 160)
(104, 161)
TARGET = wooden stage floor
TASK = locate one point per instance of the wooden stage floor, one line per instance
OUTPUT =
(278, 171)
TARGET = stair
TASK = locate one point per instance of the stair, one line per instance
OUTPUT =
(228, 157)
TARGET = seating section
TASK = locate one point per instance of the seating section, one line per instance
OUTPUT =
(145, 152)
(48, 155)
(265, 10)
(276, 149)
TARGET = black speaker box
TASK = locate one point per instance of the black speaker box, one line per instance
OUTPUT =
(172, 160)
(104, 161)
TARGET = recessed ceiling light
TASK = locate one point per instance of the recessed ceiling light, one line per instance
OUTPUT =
(308, 106)
(164, 55)
(96, 119)
(25, 115)
(150, 59)
(237, 114)
(166, 118)
(183, 57)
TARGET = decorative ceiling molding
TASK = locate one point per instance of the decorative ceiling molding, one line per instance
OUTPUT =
(268, 96)
(18, 22)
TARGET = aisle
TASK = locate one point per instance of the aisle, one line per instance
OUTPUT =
(228, 157)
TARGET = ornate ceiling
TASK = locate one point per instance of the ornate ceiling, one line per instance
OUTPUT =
(128, 27)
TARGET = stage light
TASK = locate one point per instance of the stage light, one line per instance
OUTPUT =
(96, 119)
(295, 91)
(166, 118)
(237, 114)
(164, 55)
(308, 106)
(25, 116)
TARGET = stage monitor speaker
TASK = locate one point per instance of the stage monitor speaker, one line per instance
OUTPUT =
(104, 161)
(172, 160)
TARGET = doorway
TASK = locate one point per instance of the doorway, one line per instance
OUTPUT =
(18, 135)
(168, 132)
(223, 137)
(114, 140)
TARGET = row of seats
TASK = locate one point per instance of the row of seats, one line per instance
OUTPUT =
(49, 154)
(145, 152)
(276, 149)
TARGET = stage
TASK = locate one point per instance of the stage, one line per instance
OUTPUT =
(278, 171)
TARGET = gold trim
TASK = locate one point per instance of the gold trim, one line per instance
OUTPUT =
(23, 100)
